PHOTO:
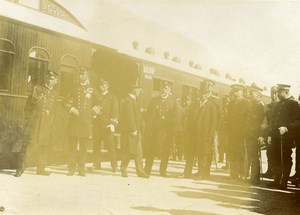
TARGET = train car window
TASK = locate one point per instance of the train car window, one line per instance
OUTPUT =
(7, 52)
(68, 74)
(37, 66)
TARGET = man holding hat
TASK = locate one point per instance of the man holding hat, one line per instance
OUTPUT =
(284, 125)
(104, 125)
(160, 119)
(238, 110)
(39, 111)
(254, 133)
(131, 126)
(79, 103)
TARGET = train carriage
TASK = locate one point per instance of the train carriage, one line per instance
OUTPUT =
(44, 35)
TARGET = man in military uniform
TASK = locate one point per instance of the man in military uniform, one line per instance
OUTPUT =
(131, 126)
(161, 115)
(39, 116)
(284, 125)
(80, 103)
(104, 125)
(254, 133)
(238, 110)
(205, 125)
(269, 113)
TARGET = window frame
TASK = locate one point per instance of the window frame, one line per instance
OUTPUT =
(11, 54)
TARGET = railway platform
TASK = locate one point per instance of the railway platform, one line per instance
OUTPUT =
(102, 192)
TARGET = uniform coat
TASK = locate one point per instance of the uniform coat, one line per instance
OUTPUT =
(82, 98)
(39, 114)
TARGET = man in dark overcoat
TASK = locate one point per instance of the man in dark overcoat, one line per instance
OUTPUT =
(160, 118)
(39, 117)
(205, 125)
(238, 110)
(131, 126)
(79, 102)
(254, 135)
(284, 126)
(104, 125)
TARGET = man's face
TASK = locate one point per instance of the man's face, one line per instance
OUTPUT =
(238, 94)
(83, 77)
(104, 87)
(282, 94)
(52, 82)
(138, 92)
(274, 96)
(254, 96)
(166, 90)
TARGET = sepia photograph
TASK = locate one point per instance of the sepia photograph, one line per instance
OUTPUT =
(149, 107)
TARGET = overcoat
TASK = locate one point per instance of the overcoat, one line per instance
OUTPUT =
(205, 125)
(130, 121)
(39, 114)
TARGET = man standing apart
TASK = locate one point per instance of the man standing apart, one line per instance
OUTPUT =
(131, 125)
(285, 121)
(39, 117)
(104, 124)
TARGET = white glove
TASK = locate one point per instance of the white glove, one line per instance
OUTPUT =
(112, 127)
(74, 111)
(134, 133)
(283, 130)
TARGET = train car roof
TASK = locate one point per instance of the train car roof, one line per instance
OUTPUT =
(92, 29)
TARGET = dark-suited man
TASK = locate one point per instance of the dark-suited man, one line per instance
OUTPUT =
(39, 116)
(104, 124)
(80, 101)
(205, 117)
(254, 133)
(160, 118)
(131, 126)
(238, 110)
(284, 125)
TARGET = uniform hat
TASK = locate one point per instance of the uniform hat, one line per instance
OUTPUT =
(255, 88)
(165, 84)
(238, 87)
(103, 81)
(206, 85)
(274, 89)
(51, 75)
(83, 70)
(283, 87)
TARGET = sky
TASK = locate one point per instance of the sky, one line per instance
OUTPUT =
(255, 40)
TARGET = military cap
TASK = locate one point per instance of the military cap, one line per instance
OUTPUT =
(83, 70)
(283, 87)
(274, 89)
(255, 88)
(206, 85)
(238, 87)
(51, 75)
(103, 81)
(165, 84)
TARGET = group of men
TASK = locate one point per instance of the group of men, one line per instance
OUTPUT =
(245, 125)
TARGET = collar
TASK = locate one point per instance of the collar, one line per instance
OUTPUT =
(104, 93)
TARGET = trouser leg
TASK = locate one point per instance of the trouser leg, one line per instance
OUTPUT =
(73, 142)
(111, 150)
(97, 152)
(83, 143)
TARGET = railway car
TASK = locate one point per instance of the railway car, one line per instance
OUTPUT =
(39, 35)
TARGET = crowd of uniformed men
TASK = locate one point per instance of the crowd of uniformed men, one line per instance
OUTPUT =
(194, 128)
